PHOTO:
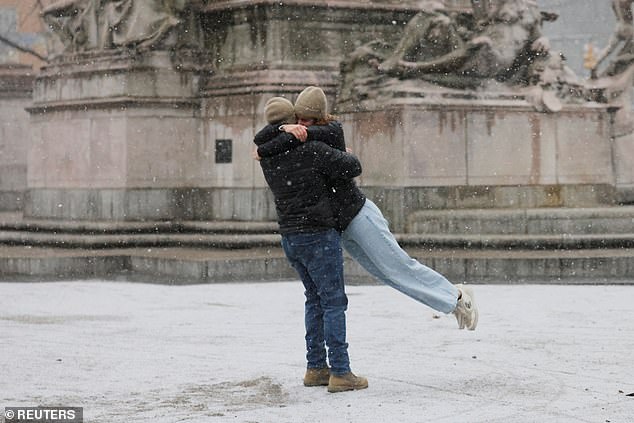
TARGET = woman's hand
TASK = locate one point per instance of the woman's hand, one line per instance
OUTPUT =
(298, 131)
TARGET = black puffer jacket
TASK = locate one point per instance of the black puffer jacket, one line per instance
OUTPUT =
(300, 181)
(346, 198)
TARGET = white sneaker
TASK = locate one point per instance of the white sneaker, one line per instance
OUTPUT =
(466, 310)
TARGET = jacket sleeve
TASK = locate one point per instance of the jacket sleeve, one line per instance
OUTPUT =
(279, 144)
(331, 134)
(336, 164)
(266, 134)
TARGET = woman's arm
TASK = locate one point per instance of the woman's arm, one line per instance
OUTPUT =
(330, 134)
(336, 164)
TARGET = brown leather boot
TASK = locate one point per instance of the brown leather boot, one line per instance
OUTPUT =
(317, 377)
(347, 382)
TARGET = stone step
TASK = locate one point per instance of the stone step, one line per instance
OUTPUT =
(518, 241)
(207, 252)
(186, 265)
(14, 230)
(599, 220)
(133, 240)
(207, 240)
(14, 222)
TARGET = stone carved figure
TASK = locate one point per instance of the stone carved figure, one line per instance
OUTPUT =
(431, 43)
(499, 41)
(613, 85)
(83, 25)
(501, 45)
(74, 22)
(623, 37)
(138, 23)
(509, 42)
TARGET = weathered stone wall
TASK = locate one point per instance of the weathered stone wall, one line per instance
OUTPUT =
(114, 137)
(471, 155)
(15, 94)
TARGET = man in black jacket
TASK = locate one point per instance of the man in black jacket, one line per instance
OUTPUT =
(300, 179)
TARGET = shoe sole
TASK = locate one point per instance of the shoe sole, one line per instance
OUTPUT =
(310, 385)
(334, 390)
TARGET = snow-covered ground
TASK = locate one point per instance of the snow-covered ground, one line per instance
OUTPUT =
(132, 352)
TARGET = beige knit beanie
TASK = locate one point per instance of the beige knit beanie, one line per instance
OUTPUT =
(311, 104)
(279, 110)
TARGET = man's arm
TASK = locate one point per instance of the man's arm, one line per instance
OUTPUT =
(271, 141)
(266, 134)
(279, 144)
(336, 164)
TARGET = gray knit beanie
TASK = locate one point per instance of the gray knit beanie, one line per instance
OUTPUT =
(279, 110)
(311, 104)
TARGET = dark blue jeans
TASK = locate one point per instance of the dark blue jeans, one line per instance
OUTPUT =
(318, 259)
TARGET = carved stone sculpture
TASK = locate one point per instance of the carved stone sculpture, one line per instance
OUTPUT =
(498, 42)
(137, 23)
(83, 25)
(614, 83)
(74, 22)
(433, 46)
(622, 37)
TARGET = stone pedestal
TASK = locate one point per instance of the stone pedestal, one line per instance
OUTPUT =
(266, 49)
(124, 135)
(115, 137)
(495, 152)
(16, 83)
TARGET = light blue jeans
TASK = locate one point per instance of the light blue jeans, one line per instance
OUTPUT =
(369, 241)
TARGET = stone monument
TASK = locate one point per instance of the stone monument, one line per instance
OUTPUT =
(115, 115)
(154, 121)
(463, 115)
(448, 104)
(478, 111)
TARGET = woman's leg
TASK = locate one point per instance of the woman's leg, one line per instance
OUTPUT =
(369, 241)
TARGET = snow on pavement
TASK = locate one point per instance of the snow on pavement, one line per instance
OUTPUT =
(235, 352)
